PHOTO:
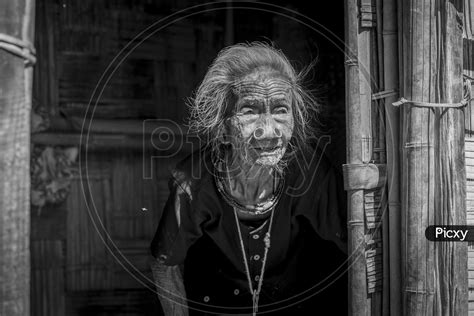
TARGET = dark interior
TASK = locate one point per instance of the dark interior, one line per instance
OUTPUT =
(90, 239)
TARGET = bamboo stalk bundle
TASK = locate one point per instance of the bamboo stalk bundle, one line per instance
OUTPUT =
(17, 21)
(358, 302)
(434, 274)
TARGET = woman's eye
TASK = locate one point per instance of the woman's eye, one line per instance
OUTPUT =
(280, 110)
(247, 111)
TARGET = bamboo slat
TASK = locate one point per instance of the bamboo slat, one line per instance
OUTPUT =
(469, 144)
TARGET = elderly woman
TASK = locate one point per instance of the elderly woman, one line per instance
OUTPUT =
(255, 221)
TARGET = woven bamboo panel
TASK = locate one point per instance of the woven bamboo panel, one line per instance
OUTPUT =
(88, 260)
(125, 199)
(47, 277)
(468, 66)
(139, 192)
(131, 193)
(160, 69)
(469, 150)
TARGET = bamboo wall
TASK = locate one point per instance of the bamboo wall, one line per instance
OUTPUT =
(367, 148)
(469, 151)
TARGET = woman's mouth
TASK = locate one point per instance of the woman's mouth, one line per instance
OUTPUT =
(268, 151)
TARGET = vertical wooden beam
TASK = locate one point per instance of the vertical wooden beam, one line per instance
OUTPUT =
(17, 20)
(434, 274)
(392, 119)
(358, 304)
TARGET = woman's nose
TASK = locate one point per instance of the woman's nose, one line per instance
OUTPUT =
(267, 129)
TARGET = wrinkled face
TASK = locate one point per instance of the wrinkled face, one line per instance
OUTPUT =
(262, 122)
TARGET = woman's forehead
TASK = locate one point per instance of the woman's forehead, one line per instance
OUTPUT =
(262, 84)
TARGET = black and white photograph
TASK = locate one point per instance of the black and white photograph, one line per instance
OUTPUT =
(194, 158)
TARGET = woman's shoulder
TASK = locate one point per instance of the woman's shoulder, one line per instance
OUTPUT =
(195, 175)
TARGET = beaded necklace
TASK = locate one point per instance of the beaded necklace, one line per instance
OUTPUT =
(258, 209)
(268, 206)
(222, 172)
(255, 292)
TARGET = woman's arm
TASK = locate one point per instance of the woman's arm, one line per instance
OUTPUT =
(170, 288)
(178, 228)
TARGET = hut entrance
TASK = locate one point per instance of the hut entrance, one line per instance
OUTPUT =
(91, 224)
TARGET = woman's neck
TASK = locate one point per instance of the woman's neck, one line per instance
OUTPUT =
(248, 183)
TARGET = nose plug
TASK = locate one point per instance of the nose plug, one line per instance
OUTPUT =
(260, 132)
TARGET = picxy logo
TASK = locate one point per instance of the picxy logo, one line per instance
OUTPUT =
(449, 233)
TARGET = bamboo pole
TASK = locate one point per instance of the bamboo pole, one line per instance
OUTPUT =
(364, 136)
(434, 274)
(452, 289)
(16, 20)
(392, 117)
(417, 161)
(358, 302)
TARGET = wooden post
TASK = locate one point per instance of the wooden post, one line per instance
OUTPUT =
(358, 301)
(16, 20)
(434, 274)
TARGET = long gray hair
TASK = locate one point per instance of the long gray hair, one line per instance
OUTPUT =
(212, 102)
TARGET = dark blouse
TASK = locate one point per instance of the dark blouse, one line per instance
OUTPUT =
(305, 269)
